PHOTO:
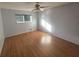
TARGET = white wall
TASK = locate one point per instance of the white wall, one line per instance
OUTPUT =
(64, 22)
(1, 33)
(11, 27)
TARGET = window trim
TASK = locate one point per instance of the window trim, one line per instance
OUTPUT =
(23, 18)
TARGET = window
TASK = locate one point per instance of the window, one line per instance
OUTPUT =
(23, 18)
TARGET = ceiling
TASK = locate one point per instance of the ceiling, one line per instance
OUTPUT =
(28, 5)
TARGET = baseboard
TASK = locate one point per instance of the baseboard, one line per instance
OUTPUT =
(18, 34)
(68, 38)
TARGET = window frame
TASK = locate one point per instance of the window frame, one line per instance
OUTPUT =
(17, 21)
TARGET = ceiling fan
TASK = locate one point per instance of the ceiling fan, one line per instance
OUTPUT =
(38, 7)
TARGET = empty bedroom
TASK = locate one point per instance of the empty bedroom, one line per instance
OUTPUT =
(39, 29)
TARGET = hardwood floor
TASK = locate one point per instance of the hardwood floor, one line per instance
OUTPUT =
(38, 44)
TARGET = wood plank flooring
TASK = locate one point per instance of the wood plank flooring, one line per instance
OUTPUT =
(38, 44)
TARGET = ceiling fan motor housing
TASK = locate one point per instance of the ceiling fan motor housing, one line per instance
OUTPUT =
(37, 6)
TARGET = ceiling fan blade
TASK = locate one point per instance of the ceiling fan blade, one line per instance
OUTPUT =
(42, 7)
(46, 7)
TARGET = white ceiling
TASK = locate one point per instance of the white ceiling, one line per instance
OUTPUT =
(28, 5)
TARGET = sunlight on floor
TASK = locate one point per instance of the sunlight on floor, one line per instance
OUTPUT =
(46, 39)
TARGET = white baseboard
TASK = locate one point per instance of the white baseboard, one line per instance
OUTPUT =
(71, 38)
